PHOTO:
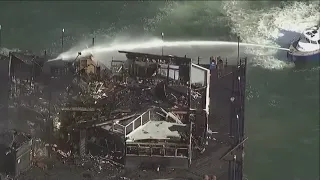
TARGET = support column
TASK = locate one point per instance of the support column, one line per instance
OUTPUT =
(4, 91)
(83, 143)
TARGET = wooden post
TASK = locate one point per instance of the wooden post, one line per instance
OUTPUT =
(62, 40)
(238, 47)
(0, 36)
(82, 145)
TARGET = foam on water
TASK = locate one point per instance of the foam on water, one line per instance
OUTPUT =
(265, 27)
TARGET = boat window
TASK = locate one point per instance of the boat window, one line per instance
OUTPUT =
(307, 40)
(304, 40)
(319, 41)
(313, 42)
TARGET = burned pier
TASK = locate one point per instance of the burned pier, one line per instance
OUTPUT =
(157, 124)
(147, 113)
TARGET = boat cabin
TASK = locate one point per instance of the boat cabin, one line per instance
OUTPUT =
(309, 40)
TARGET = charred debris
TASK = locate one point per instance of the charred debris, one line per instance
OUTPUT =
(149, 111)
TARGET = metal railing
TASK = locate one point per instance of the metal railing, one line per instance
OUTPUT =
(178, 152)
(237, 120)
(134, 124)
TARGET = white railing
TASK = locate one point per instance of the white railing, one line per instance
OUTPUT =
(161, 152)
(136, 123)
(133, 125)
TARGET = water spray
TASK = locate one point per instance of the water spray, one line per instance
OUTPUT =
(155, 44)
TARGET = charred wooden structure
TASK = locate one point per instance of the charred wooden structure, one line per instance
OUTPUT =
(159, 137)
(24, 69)
(162, 134)
(160, 126)
(27, 65)
(149, 111)
(15, 153)
(4, 91)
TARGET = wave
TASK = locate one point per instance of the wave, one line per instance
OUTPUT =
(265, 23)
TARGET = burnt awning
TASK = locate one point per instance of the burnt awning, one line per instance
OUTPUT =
(177, 60)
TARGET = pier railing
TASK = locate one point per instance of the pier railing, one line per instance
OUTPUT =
(158, 150)
(134, 124)
(237, 119)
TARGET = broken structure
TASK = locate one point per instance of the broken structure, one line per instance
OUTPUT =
(15, 153)
(147, 111)
(162, 125)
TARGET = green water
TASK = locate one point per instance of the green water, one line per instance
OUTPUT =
(282, 108)
(283, 125)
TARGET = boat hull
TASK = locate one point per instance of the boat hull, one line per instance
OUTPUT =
(299, 57)
(295, 57)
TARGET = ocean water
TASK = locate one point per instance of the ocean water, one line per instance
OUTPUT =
(282, 107)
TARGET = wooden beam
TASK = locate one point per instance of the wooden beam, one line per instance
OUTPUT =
(121, 61)
(231, 150)
(179, 112)
(156, 144)
(78, 109)
(113, 120)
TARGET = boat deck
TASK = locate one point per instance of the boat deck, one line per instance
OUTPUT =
(294, 51)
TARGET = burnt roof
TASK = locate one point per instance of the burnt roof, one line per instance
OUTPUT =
(177, 59)
(28, 58)
(56, 64)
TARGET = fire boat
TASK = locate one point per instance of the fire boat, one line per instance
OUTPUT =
(307, 47)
